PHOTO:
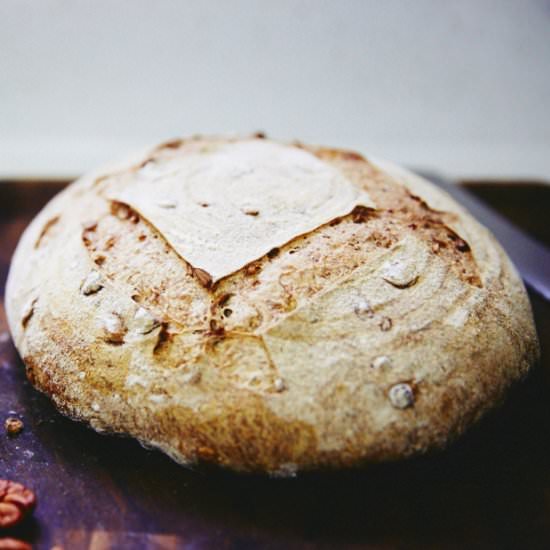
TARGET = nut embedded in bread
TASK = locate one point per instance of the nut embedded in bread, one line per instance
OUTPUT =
(267, 307)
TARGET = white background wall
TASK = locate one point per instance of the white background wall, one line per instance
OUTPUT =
(460, 86)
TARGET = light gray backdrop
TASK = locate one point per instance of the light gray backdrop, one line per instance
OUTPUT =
(461, 86)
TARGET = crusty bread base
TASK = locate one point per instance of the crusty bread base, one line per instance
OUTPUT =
(382, 334)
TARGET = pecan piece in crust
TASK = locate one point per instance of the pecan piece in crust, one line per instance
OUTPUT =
(16, 502)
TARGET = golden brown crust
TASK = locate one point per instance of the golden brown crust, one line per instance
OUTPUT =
(380, 334)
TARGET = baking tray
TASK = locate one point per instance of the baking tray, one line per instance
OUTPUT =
(489, 489)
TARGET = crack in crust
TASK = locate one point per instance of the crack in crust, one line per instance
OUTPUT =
(107, 243)
(46, 229)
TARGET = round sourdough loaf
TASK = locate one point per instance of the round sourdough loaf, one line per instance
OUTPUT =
(267, 307)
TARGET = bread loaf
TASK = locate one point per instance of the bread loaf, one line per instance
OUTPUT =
(267, 307)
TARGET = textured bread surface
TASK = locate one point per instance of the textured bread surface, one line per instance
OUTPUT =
(228, 330)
